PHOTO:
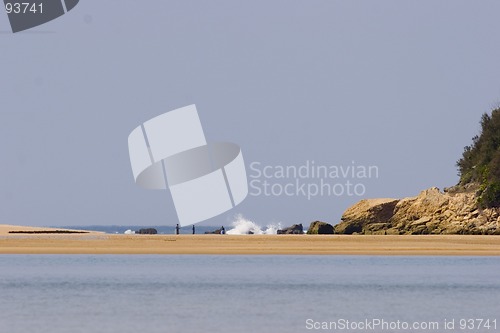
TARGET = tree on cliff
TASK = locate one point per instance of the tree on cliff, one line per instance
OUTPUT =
(480, 162)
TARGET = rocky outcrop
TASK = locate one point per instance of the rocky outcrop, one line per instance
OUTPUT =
(367, 214)
(320, 228)
(147, 231)
(294, 229)
(431, 212)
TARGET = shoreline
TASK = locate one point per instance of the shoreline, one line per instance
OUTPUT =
(95, 243)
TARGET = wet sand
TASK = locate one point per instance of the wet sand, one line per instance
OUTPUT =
(5, 229)
(99, 243)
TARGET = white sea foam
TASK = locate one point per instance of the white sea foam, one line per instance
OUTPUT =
(243, 226)
(129, 232)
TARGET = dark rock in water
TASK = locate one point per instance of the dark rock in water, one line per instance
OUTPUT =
(217, 232)
(320, 228)
(147, 231)
(294, 229)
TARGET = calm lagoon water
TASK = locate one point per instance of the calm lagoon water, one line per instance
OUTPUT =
(191, 293)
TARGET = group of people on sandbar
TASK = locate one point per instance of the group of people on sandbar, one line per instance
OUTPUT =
(178, 229)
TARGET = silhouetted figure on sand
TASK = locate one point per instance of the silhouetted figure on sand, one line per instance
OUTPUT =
(177, 229)
(194, 231)
(222, 231)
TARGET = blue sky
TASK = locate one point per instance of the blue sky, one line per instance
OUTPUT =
(396, 84)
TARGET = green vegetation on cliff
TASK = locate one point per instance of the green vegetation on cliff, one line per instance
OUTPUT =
(480, 162)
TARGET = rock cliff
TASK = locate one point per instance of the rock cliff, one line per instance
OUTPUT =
(454, 211)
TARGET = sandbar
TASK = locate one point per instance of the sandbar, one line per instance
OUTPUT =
(100, 243)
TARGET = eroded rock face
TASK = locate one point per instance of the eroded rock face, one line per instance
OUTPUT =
(431, 212)
(320, 228)
(367, 214)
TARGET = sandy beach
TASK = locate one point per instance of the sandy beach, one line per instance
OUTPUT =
(99, 243)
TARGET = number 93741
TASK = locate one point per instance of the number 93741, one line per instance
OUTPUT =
(23, 8)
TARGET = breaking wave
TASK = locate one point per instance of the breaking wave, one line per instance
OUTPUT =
(243, 226)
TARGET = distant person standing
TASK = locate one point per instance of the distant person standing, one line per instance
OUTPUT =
(194, 231)
(222, 230)
(177, 229)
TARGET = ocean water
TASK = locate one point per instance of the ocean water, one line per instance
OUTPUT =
(229, 294)
(238, 226)
(162, 229)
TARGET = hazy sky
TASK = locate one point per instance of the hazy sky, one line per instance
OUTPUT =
(396, 84)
